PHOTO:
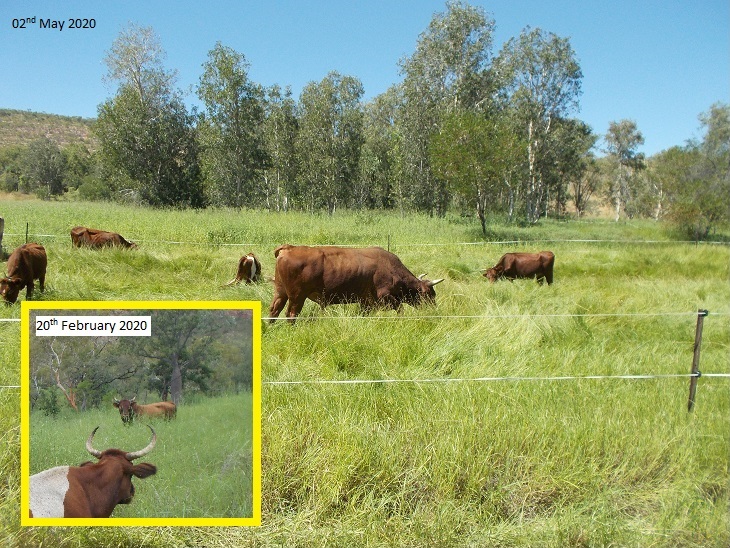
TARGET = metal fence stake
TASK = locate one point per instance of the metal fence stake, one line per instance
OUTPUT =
(696, 359)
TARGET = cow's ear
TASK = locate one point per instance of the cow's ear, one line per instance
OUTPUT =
(144, 469)
(116, 404)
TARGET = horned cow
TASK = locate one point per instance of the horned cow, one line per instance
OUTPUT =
(337, 275)
(90, 490)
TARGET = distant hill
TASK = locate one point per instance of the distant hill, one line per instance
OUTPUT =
(20, 127)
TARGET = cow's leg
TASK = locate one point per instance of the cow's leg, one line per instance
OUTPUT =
(29, 290)
(277, 305)
(295, 307)
(549, 276)
(42, 281)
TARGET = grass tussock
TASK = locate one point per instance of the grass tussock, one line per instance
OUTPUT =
(433, 459)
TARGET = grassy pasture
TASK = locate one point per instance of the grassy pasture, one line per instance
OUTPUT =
(510, 463)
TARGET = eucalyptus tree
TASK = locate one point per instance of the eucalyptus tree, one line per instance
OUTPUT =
(697, 177)
(233, 153)
(541, 78)
(378, 186)
(569, 156)
(622, 143)
(330, 139)
(43, 168)
(146, 135)
(280, 130)
(446, 73)
(477, 154)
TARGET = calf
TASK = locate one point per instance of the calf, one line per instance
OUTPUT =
(27, 263)
(523, 265)
(91, 490)
(249, 270)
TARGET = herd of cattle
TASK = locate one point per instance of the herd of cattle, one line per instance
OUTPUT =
(371, 277)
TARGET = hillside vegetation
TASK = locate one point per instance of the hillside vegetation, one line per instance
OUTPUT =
(20, 128)
(418, 452)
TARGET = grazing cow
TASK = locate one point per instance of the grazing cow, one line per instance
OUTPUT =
(27, 263)
(523, 265)
(249, 270)
(91, 237)
(128, 409)
(335, 275)
(90, 490)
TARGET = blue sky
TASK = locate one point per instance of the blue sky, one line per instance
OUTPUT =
(659, 63)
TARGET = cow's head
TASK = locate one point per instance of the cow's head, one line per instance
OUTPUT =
(9, 289)
(115, 469)
(425, 293)
(492, 274)
(126, 409)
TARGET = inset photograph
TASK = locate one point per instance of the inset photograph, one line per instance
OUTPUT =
(143, 415)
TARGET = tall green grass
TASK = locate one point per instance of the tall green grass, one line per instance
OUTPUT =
(454, 463)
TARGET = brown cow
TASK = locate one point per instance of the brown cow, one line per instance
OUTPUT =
(523, 265)
(128, 409)
(27, 263)
(91, 490)
(336, 275)
(92, 237)
(249, 269)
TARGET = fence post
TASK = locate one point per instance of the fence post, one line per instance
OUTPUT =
(696, 359)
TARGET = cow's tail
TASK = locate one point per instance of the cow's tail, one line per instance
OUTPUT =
(280, 249)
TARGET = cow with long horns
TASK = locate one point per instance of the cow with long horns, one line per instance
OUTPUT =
(90, 490)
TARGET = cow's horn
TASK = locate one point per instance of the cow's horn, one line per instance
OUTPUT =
(90, 448)
(134, 398)
(421, 276)
(434, 282)
(150, 447)
(116, 400)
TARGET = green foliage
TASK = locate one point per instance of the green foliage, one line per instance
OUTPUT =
(145, 133)
(233, 155)
(47, 402)
(43, 168)
(541, 77)
(330, 138)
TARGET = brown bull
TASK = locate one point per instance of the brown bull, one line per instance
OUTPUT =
(91, 490)
(336, 275)
(128, 409)
(27, 263)
(249, 270)
(92, 237)
(523, 265)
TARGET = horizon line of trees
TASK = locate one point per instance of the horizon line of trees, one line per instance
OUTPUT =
(465, 130)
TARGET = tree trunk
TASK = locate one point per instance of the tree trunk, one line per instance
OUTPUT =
(176, 380)
(481, 208)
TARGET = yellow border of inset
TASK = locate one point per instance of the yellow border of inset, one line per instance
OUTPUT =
(27, 306)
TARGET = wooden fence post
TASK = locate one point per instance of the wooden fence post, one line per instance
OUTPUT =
(696, 359)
